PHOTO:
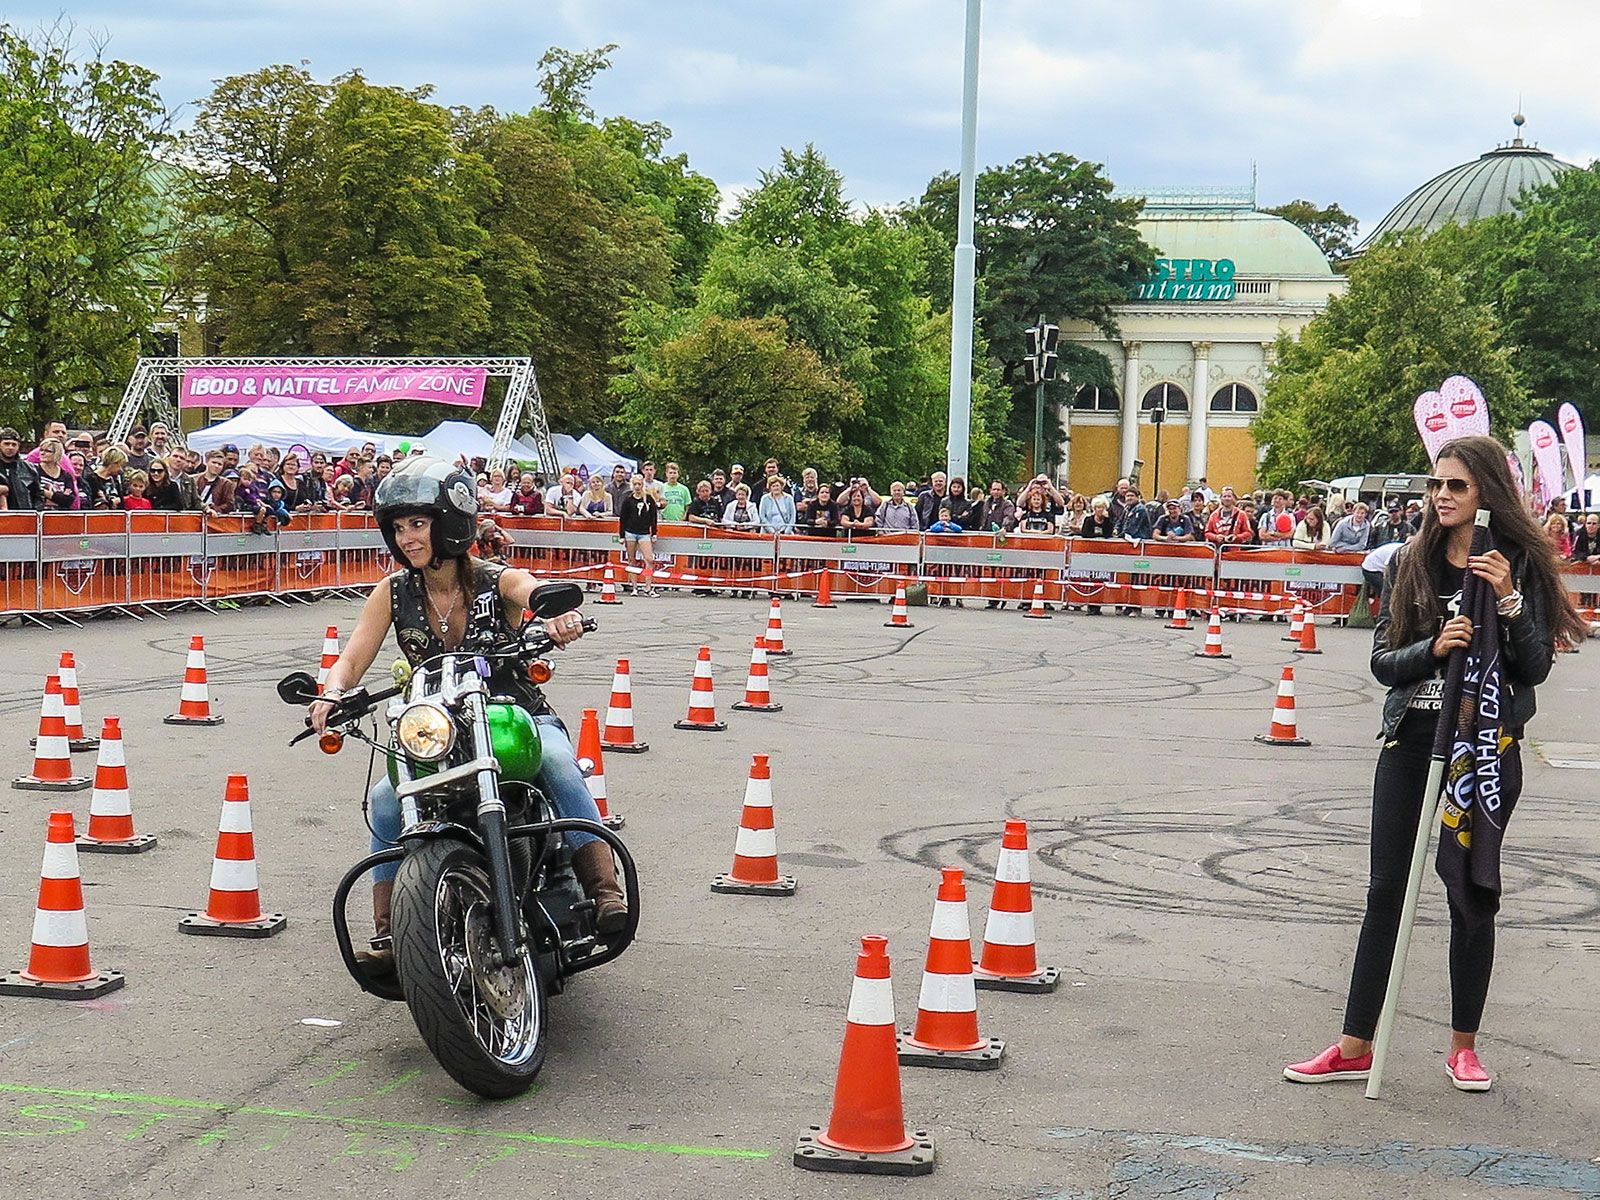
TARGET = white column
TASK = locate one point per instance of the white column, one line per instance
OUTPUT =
(1130, 408)
(1199, 410)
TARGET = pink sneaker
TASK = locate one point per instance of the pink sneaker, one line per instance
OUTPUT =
(1466, 1072)
(1329, 1067)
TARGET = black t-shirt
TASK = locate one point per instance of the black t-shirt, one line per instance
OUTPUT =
(56, 494)
(1099, 527)
(638, 514)
(1182, 523)
(707, 510)
(1447, 586)
(100, 491)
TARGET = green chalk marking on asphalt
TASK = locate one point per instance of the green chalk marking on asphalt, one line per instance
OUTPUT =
(536, 1139)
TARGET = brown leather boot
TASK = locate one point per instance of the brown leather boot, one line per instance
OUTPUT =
(597, 872)
(379, 963)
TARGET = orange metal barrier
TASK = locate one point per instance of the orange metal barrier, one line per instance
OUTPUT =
(1116, 572)
(20, 590)
(1269, 580)
(83, 561)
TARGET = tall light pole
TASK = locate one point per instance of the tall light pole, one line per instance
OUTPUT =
(957, 447)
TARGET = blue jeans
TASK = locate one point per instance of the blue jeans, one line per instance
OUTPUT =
(559, 778)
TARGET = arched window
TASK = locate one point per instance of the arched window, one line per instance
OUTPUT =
(1234, 398)
(1096, 399)
(1168, 395)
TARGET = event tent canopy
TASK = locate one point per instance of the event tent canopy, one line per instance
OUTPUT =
(462, 439)
(602, 456)
(282, 426)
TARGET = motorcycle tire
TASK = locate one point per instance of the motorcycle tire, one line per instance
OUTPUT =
(425, 968)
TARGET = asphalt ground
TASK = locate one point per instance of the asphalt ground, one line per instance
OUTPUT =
(1200, 892)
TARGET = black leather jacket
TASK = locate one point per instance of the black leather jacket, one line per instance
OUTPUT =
(1527, 644)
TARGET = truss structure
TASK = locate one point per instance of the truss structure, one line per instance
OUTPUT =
(147, 389)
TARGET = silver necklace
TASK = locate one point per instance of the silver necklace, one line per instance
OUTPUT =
(444, 618)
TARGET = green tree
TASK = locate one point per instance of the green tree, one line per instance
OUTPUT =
(715, 390)
(1051, 240)
(82, 232)
(1340, 398)
(1331, 228)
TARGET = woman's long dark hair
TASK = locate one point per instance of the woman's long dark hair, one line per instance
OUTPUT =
(1414, 607)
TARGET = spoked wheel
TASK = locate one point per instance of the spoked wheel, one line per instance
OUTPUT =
(483, 1021)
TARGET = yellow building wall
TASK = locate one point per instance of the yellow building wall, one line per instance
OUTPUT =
(1096, 455)
(1174, 458)
(1230, 457)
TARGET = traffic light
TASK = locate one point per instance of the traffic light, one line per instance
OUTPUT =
(1040, 365)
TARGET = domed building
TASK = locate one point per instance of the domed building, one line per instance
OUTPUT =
(1484, 187)
(1196, 343)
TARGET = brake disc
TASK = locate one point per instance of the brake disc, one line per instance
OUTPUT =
(500, 986)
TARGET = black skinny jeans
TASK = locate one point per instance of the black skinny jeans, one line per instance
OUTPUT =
(1397, 791)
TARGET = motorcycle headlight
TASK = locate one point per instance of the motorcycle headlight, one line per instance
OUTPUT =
(425, 732)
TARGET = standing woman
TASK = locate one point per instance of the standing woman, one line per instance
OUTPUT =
(638, 517)
(1417, 628)
(59, 490)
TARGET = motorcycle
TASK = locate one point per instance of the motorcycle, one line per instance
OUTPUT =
(488, 918)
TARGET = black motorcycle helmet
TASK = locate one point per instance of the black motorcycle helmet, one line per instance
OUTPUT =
(432, 486)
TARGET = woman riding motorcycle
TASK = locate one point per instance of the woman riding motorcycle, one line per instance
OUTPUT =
(440, 599)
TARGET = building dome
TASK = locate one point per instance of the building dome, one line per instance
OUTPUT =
(1260, 244)
(1487, 185)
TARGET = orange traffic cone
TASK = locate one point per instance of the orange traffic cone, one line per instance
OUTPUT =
(775, 646)
(1036, 609)
(946, 1033)
(234, 908)
(897, 613)
(1180, 611)
(824, 591)
(110, 806)
(330, 655)
(1282, 731)
(619, 734)
(58, 964)
(1308, 635)
(593, 765)
(1213, 646)
(77, 739)
(608, 590)
(1010, 959)
(52, 756)
(702, 699)
(755, 850)
(757, 689)
(1297, 621)
(866, 1132)
(194, 704)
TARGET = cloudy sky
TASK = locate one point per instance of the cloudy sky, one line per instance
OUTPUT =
(1354, 101)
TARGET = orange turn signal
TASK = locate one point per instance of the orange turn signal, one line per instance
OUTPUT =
(331, 742)
(540, 671)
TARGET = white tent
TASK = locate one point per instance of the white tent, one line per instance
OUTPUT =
(282, 426)
(452, 439)
(602, 456)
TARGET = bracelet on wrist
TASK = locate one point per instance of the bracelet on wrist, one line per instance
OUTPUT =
(1511, 605)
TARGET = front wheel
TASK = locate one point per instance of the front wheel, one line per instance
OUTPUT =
(485, 1023)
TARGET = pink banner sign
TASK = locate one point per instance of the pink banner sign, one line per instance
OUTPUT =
(242, 387)
(1570, 422)
(1465, 406)
(1546, 461)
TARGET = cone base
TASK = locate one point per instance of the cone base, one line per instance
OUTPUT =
(1266, 739)
(830, 604)
(984, 1058)
(728, 885)
(614, 821)
(1203, 654)
(771, 653)
(1037, 616)
(31, 783)
(1303, 650)
(744, 706)
(608, 601)
(1289, 638)
(204, 926)
(179, 719)
(898, 625)
(75, 745)
(1045, 981)
(1174, 625)
(811, 1154)
(707, 726)
(137, 844)
(13, 984)
(624, 747)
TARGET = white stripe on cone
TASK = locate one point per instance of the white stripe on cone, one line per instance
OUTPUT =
(758, 793)
(234, 875)
(235, 818)
(1012, 867)
(60, 928)
(871, 1002)
(597, 785)
(950, 921)
(948, 993)
(111, 802)
(54, 745)
(197, 658)
(617, 718)
(193, 691)
(60, 861)
(1009, 928)
(112, 753)
(756, 843)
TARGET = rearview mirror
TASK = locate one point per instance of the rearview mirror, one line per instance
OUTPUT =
(298, 688)
(553, 599)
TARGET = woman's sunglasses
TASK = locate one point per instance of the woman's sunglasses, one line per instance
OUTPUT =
(1456, 486)
(158, 470)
